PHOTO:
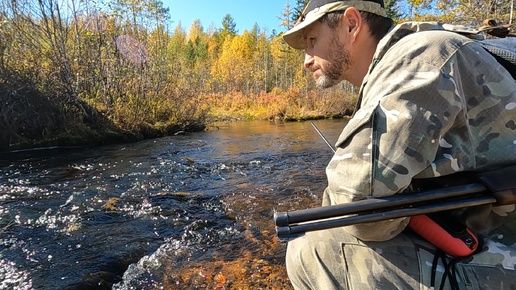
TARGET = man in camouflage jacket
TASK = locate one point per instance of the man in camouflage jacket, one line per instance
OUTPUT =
(432, 103)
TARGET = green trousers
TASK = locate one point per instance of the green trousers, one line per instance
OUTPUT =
(333, 259)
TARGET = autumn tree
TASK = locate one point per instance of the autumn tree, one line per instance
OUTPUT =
(120, 59)
(231, 70)
(470, 13)
(262, 61)
(285, 17)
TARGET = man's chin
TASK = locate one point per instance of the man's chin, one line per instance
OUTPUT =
(324, 82)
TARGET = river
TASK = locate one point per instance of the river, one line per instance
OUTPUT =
(192, 211)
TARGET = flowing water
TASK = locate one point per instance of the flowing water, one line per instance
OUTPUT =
(183, 212)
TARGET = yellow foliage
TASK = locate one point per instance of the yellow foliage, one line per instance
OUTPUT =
(290, 104)
(247, 75)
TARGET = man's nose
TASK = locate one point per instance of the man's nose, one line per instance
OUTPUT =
(309, 60)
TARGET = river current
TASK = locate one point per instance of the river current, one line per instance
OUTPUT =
(189, 211)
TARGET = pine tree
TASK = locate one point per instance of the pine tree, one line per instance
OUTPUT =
(393, 10)
(298, 10)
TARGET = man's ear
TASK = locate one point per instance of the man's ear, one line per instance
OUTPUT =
(354, 21)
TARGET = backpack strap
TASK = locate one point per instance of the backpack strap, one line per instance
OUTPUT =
(504, 50)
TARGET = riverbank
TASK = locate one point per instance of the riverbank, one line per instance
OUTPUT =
(34, 119)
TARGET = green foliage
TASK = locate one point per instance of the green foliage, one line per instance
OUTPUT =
(299, 6)
(393, 9)
(228, 26)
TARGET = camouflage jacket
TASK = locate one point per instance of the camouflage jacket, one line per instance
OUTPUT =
(433, 103)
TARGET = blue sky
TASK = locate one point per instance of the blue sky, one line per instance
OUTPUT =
(245, 13)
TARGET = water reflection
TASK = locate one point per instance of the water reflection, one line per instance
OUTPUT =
(179, 212)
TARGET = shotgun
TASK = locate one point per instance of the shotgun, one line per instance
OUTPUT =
(497, 187)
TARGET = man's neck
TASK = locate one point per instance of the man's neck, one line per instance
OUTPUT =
(361, 56)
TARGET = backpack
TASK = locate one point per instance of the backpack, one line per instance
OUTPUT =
(504, 50)
(502, 47)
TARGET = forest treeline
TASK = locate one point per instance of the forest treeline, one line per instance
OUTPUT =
(83, 72)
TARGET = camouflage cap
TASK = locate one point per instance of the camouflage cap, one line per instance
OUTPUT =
(317, 8)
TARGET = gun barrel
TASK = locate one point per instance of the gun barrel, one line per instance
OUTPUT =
(294, 223)
(304, 215)
(288, 232)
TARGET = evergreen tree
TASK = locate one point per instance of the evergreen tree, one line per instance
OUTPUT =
(393, 10)
(228, 26)
(298, 9)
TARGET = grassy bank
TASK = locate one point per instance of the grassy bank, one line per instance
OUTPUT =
(33, 117)
(290, 105)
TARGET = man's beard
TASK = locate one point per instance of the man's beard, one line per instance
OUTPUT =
(339, 61)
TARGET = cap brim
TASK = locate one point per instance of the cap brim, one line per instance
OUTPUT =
(295, 36)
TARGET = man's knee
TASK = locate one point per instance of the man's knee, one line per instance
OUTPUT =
(315, 260)
(336, 260)
(314, 247)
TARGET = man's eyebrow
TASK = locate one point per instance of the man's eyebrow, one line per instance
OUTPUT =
(306, 31)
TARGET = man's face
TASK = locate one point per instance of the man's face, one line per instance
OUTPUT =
(326, 56)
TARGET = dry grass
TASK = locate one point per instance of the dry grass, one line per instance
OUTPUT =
(277, 104)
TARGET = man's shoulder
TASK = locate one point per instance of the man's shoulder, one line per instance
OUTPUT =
(434, 33)
(429, 34)
(438, 39)
(430, 40)
(406, 28)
